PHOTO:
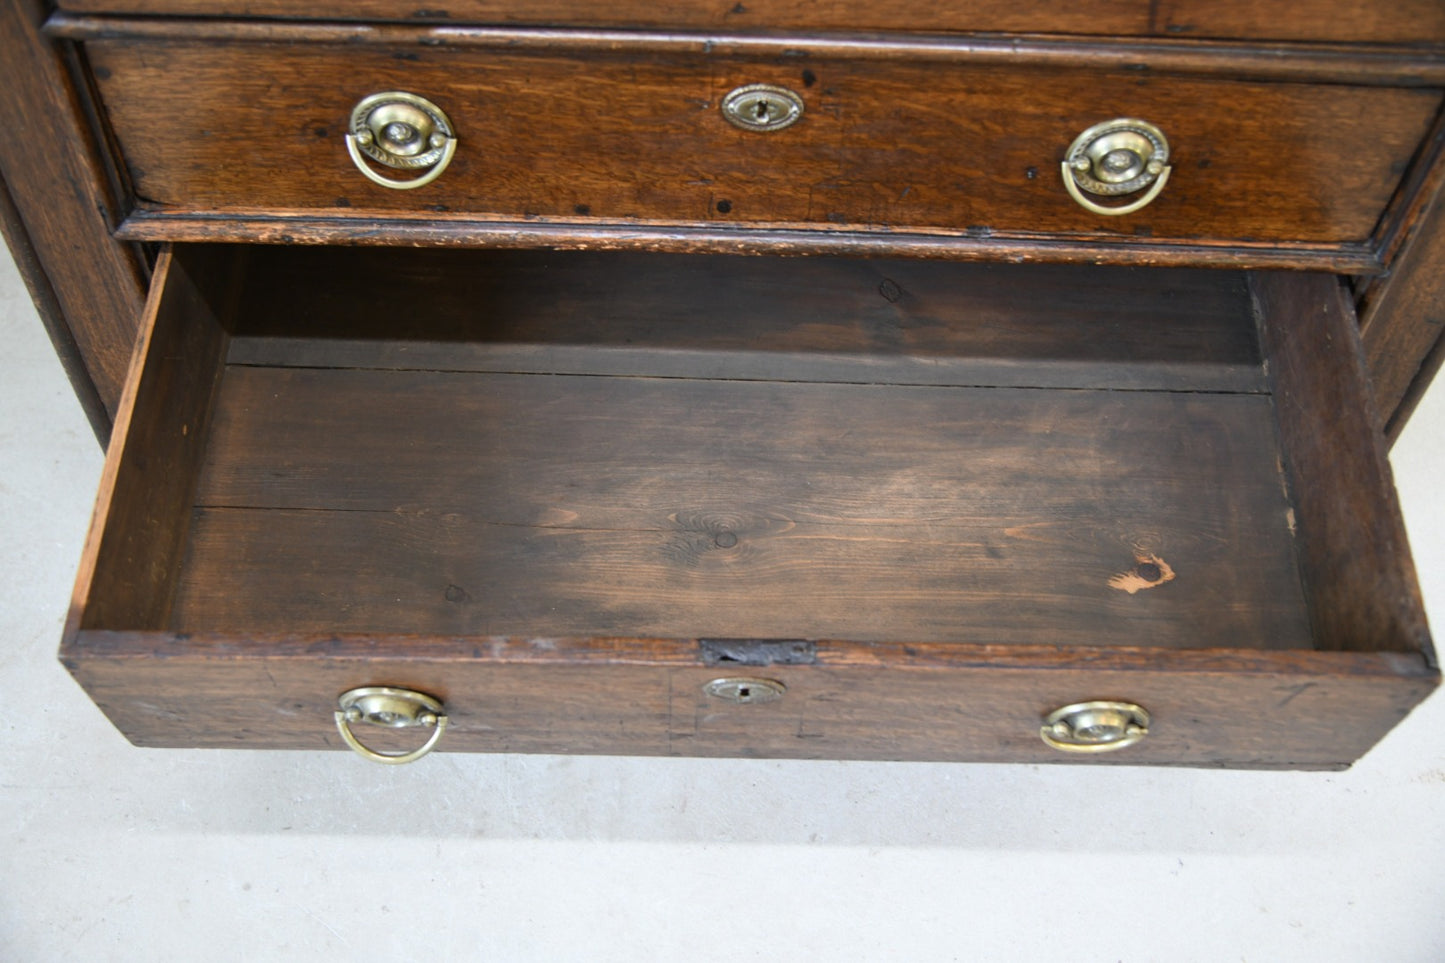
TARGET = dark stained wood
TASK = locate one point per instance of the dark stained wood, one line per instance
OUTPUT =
(476, 504)
(63, 208)
(1397, 308)
(1291, 710)
(139, 532)
(1403, 21)
(893, 145)
(1354, 556)
(449, 230)
(1408, 21)
(563, 470)
(1429, 367)
(715, 506)
(1410, 208)
(1402, 317)
(47, 306)
(820, 319)
(1340, 64)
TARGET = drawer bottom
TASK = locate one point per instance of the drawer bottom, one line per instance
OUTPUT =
(483, 503)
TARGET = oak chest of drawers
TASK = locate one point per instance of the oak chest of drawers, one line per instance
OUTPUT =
(966, 382)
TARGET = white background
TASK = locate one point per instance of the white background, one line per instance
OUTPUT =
(108, 852)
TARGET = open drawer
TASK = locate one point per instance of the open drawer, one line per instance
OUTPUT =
(630, 503)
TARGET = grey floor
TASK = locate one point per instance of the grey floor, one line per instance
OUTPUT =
(108, 852)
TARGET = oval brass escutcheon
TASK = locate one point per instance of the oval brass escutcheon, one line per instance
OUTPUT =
(403, 132)
(1095, 726)
(762, 107)
(1115, 158)
(745, 691)
(391, 708)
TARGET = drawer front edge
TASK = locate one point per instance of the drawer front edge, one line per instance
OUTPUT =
(1298, 710)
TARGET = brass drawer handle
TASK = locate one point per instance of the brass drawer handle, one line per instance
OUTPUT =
(1115, 158)
(1095, 726)
(762, 107)
(390, 708)
(403, 132)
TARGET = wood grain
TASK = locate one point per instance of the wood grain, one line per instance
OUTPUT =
(522, 479)
(884, 145)
(1401, 320)
(1355, 556)
(64, 209)
(715, 500)
(1408, 21)
(355, 500)
(52, 315)
(961, 703)
(138, 535)
(823, 319)
(296, 228)
(1310, 63)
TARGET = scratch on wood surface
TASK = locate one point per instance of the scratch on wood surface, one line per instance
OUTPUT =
(1149, 570)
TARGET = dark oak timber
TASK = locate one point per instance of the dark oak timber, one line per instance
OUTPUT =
(1355, 556)
(1405, 21)
(689, 507)
(629, 399)
(422, 500)
(1342, 64)
(91, 288)
(1280, 710)
(52, 315)
(139, 532)
(899, 145)
(476, 231)
(791, 319)
(1402, 317)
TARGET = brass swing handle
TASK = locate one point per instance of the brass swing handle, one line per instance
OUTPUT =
(1102, 726)
(400, 131)
(390, 708)
(1116, 158)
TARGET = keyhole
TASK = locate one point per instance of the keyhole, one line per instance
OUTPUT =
(745, 693)
(762, 110)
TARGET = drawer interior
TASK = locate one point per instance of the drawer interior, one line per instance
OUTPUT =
(566, 492)
(571, 444)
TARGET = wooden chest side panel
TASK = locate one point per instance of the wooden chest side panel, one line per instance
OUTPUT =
(90, 289)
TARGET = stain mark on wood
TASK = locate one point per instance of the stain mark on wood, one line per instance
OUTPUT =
(1295, 691)
(1148, 572)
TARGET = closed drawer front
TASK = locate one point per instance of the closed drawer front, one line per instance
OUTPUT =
(1405, 21)
(930, 503)
(943, 145)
